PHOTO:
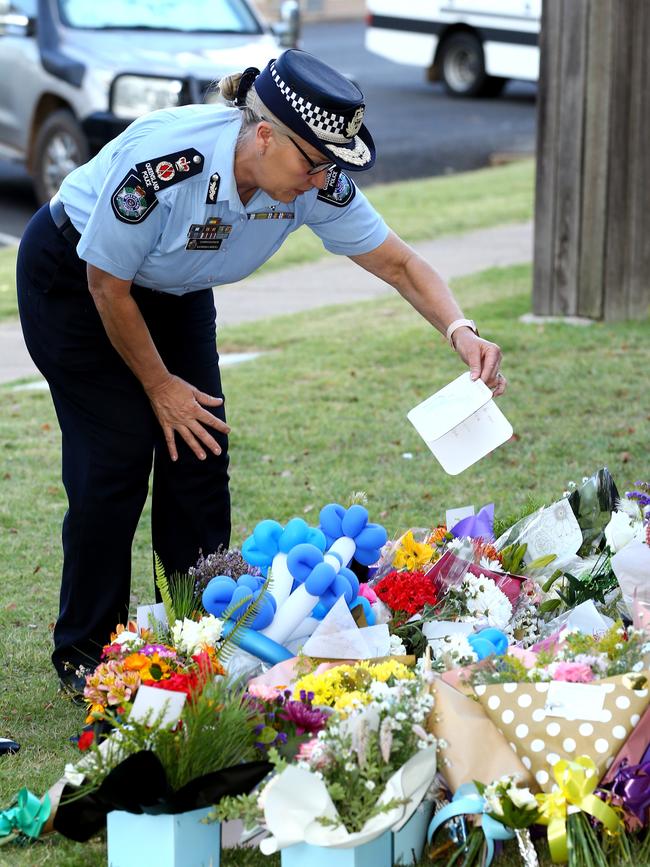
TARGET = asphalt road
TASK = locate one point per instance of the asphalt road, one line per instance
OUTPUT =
(418, 130)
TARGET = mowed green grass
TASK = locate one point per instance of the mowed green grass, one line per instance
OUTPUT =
(416, 210)
(322, 414)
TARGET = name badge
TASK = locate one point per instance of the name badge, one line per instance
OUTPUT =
(207, 236)
(271, 215)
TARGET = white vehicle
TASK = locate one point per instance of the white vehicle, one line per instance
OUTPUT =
(473, 46)
(75, 73)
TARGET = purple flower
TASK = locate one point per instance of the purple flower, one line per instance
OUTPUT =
(306, 719)
(162, 650)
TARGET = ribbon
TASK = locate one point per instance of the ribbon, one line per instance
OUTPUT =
(468, 800)
(27, 816)
(576, 781)
(631, 785)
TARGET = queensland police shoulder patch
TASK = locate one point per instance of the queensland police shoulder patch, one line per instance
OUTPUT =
(339, 189)
(132, 201)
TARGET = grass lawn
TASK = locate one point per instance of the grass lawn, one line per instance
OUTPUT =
(416, 210)
(322, 414)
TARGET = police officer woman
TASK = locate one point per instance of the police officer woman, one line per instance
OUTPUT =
(115, 298)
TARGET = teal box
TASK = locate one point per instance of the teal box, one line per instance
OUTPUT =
(179, 840)
(408, 842)
(377, 853)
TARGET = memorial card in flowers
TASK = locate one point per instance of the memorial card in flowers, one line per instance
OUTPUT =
(581, 697)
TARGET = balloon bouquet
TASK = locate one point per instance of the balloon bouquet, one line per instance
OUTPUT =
(309, 573)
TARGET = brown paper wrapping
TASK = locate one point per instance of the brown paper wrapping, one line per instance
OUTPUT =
(475, 749)
(540, 740)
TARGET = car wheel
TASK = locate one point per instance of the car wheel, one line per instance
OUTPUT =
(462, 65)
(60, 146)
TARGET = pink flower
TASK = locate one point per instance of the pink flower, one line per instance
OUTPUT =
(573, 672)
(368, 593)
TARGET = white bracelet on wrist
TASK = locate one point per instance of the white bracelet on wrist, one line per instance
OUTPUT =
(459, 323)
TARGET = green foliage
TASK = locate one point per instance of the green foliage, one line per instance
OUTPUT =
(162, 583)
(228, 646)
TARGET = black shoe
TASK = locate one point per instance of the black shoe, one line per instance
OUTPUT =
(8, 746)
(72, 685)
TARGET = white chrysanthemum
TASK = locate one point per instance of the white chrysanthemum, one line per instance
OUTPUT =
(397, 647)
(454, 648)
(490, 603)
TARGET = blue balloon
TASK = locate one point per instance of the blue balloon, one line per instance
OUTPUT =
(336, 521)
(258, 645)
(488, 642)
(302, 559)
(498, 638)
(270, 538)
(223, 593)
(367, 609)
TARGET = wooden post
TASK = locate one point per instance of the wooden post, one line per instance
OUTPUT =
(592, 210)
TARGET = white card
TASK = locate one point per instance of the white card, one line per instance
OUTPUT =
(460, 423)
(160, 706)
(575, 701)
(554, 531)
(588, 619)
(441, 628)
(453, 516)
(151, 616)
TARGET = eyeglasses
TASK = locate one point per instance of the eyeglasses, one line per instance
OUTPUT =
(316, 168)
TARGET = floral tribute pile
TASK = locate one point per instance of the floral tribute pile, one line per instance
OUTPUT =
(499, 671)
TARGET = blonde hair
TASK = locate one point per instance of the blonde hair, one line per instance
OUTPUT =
(254, 110)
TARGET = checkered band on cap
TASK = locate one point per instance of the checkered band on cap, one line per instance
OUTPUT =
(325, 124)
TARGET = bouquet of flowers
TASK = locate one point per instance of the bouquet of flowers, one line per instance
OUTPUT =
(133, 658)
(581, 694)
(362, 775)
(164, 759)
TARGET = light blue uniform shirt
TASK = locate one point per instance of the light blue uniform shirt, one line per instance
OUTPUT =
(148, 240)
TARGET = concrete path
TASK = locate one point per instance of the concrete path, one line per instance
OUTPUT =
(335, 280)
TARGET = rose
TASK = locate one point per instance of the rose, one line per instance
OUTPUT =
(621, 530)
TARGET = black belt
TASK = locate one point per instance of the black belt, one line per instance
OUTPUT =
(62, 221)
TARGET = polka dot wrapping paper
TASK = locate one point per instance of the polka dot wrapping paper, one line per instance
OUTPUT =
(474, 749)
(518, 710)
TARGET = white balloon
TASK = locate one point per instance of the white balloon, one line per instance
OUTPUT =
(281, 579)
(344, 547)
(304, 629)
(290, 615)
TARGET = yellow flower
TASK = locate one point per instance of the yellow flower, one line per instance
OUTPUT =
(349, 700)
(411, 554)
(383, 671)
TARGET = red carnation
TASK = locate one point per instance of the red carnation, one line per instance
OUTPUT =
(407, 591)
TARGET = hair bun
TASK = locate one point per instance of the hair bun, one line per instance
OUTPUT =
(246, 80)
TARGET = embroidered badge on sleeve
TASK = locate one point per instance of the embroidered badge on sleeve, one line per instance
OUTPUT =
(135, 196)
(132, 201)
(339, 189)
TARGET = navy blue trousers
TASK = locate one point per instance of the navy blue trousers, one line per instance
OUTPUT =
(111, 438)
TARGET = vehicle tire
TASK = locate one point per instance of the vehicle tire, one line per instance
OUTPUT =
(462, 65)
(60, 146)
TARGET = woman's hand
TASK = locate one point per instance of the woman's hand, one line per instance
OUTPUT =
(482, 357)
(179, 409)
